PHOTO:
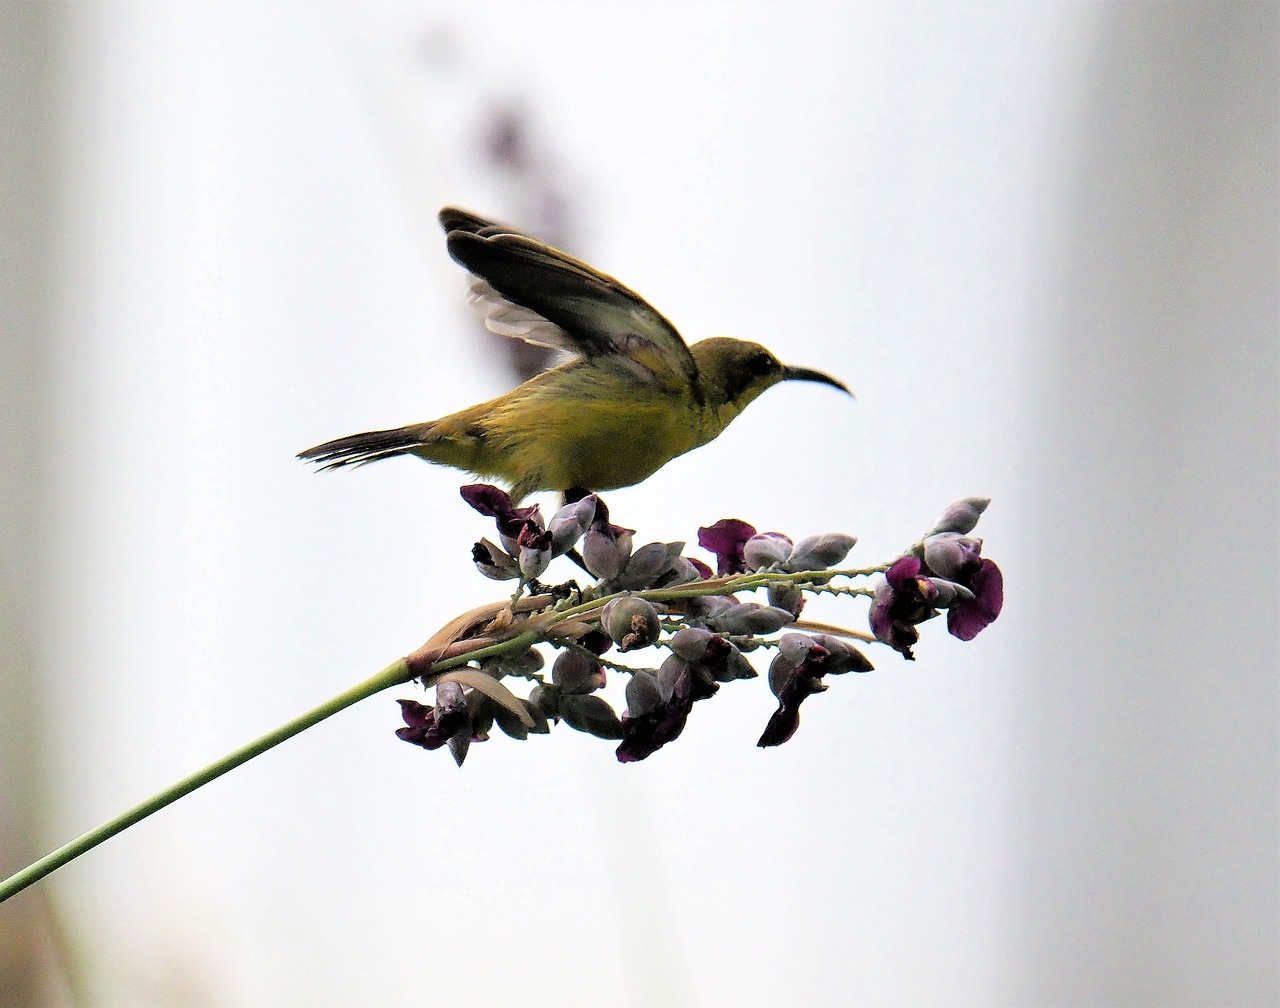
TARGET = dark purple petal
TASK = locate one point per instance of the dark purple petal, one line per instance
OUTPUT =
(902, 601)
(497, 504)
(490, 501)
(798, 684)
(425, 728)
(967, 619)
(725, 539)
(703, 570)
(644, 735)
(903, 569)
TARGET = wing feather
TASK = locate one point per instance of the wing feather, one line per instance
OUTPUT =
(531, 291)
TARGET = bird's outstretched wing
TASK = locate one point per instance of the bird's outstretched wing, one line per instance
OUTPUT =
(534, 292)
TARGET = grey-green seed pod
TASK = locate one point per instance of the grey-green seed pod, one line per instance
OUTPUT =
(540, 725)
(459, 743)
(961, 516)
(632, 622)
(482, 720)
(574, 672)
(643, 693)
(591, 714)
(819, 552)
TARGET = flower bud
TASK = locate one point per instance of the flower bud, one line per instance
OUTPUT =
(516, 533)
(705, 607)
(570, 523)
(949, 593)
(544, 698)
(522, 663)
(648, 564)
(493, 562)
(459, 744)
(749, 618)
(591, 714)
(682, 571)
(820, 552)
(450, 698)
(842, 656)
(780, 673)
(606, 549)
(643, 694)
(787, 597)
(766, 550)
(725, 664)
(535, 551)
(795, 648)
(690, 643)
(961, 516)
(949, 555)
(574, 672)
(669, 673)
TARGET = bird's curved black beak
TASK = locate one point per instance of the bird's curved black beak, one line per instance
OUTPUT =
(810, 375)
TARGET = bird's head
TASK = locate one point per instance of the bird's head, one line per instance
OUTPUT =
(732, 372)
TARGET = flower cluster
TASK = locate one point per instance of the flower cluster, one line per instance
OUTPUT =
(655, 599)
(944, 571)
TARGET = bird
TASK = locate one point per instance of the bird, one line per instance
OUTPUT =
(631, 396)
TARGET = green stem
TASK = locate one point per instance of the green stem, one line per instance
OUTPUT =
(393, 675)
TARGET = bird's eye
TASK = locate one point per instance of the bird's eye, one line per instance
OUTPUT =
(760, 364)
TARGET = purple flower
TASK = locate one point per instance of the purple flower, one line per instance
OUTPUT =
(958, 558)
(946, 572)
(606, 547)
(796, 673)
(726, 539)
(904, 599)
(426, 726)
(965, 619)
(798, 683)
(644, 734)
(495, 503)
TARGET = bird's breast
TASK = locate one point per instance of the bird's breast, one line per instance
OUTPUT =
(597, 436)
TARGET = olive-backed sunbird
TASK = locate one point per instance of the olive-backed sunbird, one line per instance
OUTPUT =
(631, 398)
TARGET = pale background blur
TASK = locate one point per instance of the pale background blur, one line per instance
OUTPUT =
(1040, 242)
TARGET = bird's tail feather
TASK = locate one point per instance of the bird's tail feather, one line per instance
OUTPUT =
(357, 449)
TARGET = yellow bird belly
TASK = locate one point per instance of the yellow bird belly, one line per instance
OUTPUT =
(566, 429)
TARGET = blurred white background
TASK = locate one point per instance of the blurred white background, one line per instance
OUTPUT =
(1040, 242)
